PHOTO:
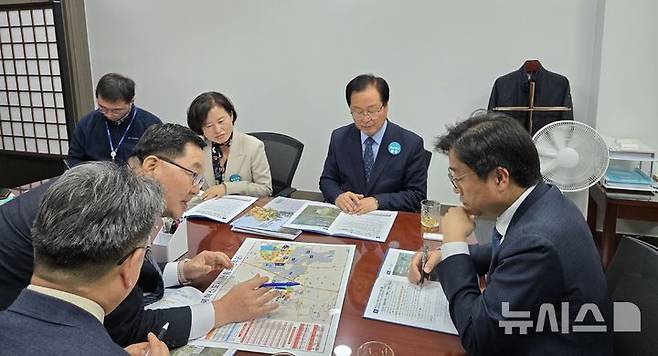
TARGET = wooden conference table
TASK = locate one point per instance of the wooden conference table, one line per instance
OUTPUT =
(353, 329)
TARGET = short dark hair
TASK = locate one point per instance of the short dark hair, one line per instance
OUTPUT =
(165, 140)
(202, 104)
(92, 216)
(491, 140)
(114, 87)
(361, 82)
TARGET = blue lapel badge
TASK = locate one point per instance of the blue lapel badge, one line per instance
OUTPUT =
(394, 148)
(235, 178)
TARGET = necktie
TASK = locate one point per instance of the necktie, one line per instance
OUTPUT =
(368, 158)
(155, 295)
(495, 241)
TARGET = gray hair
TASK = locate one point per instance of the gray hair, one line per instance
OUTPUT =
(91, 217)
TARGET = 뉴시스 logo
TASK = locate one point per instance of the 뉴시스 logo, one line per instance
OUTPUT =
(626, 318)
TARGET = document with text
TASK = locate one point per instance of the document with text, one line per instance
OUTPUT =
(328, 219)
(222, 210)
(394, 299)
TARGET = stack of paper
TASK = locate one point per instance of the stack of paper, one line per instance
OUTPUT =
(269, 220)
(627, 179)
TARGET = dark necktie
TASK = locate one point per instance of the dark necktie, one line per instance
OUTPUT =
(495, 241)
(368, 158)
(155, 295)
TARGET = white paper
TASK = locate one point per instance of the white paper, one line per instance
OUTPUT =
(269, 220)
(177, 297)
(328, 219)
(223, 209)
(394, 299)
(307, 318)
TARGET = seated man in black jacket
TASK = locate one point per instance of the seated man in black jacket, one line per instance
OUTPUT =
(173, 155)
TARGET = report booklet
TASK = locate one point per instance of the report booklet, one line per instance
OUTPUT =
(394, 299)
(269, 219)
(222, 210)
(328, 219)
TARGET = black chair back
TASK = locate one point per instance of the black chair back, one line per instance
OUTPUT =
(283, 154)
(428, 158)
(633, 277)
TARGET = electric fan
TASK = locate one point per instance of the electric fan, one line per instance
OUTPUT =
(573, 157)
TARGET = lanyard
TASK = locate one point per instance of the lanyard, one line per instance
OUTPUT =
(113, 151)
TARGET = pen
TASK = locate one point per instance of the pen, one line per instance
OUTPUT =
(161, 334)
(423, 261)
(279, 284)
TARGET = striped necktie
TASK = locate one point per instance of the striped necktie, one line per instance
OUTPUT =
(368, 157)
(495, 241)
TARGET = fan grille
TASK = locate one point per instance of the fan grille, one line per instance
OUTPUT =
(572, 155)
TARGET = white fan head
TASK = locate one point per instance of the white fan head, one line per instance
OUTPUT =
(572, 155)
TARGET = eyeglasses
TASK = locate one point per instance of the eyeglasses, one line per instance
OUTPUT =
(369, 113)
(454, 180)
(120, 111)
(197, 179)
(124, 258)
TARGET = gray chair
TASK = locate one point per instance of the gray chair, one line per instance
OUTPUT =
(283, 154)
(633, 277)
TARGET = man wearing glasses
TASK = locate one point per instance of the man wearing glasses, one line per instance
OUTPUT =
(172, 155)
(111, 131)
(87, 257)
(541, 257)
(373, 163)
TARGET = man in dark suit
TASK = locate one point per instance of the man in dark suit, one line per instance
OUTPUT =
(373, 163)
(87, 258)
(541, 261)
(173, 156)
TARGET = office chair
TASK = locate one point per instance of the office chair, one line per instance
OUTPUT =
(633, 277)
(283, 154)
(428, 158)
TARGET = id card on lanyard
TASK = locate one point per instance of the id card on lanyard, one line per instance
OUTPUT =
(113, 151)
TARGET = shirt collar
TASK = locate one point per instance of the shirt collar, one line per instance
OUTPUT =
(503, 221)
(378, 136)
(83, 303)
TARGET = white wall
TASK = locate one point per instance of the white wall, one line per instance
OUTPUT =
(285, 63)
(627, 100)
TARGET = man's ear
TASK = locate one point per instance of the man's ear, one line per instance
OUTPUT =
(501, 176)
(130, 269)
(150, 163)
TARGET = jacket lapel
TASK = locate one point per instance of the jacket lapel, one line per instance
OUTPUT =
(235, 156)
(534, 196)
(354, 145)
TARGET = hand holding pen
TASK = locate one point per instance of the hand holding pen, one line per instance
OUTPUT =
(156, 346)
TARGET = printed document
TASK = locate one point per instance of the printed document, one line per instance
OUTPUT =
(222, 210)
(394, 299)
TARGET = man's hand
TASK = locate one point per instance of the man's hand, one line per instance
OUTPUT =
(348, 202)
(366, 205)
(456, 225)
(204, 263)
(216, 191)
(245, 301)
(154, 347)
(414, 267)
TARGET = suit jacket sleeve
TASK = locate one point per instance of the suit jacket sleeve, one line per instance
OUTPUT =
(261, 186)
(330, 180)
(129, 323)
(493, 99)
(414, 185)
(475, 314)
(77, 146)
(567, 115)
(481, 257)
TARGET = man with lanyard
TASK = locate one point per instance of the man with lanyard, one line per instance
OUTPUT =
(111, 131)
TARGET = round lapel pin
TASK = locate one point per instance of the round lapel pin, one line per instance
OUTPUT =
(235, 178)
(394, 148)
